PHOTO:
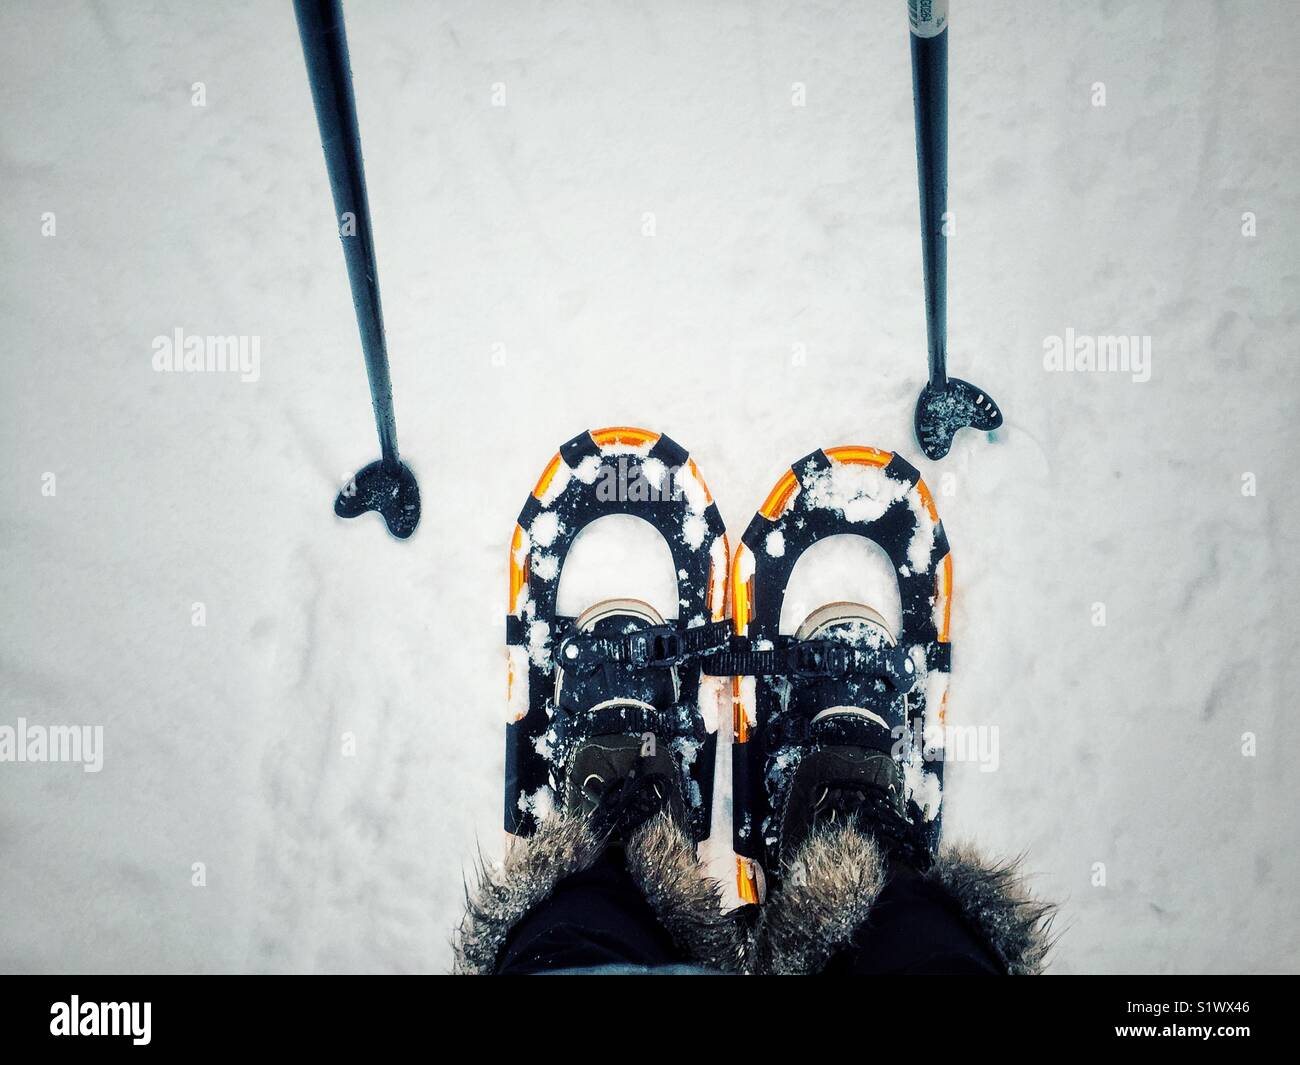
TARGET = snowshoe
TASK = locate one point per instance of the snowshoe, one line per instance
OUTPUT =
(837, 710)
(609, 716)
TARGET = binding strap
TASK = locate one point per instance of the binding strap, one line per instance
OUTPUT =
(571, 728)
(623, 718)
(815, 660)
(659, 646)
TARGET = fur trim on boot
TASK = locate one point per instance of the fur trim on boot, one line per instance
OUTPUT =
(996, 901)
(528, 874)
(687, 902)
(835, 877)
(660, 858)
(826, 894)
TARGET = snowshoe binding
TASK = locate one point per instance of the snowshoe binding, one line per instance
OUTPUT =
(837, 710)
(610, 717)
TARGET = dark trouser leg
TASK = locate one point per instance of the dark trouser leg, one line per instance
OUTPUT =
(914, 928)
(593, 918)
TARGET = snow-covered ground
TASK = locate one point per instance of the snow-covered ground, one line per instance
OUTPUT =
(775, 308)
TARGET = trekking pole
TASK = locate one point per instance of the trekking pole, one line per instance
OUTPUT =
(946, 404)
(386, 486)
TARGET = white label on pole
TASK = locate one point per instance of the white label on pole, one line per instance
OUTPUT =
(929, 18)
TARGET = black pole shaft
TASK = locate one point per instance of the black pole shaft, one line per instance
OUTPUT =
(325, 47)
(930, 102)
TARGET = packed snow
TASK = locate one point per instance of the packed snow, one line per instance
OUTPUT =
(698, 218)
